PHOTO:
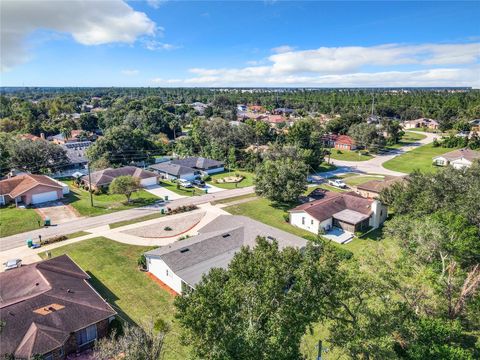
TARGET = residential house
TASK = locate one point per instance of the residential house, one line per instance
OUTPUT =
(170, 171)
(256, 108)
(29, 189)
(275, 119)
(421, 123)
(459, 159)
(372, 189)
(347, 211)
(103, 178)
(182, 264)
(241, 107)
(199, 107)
(206, 166)
(344, 142)
(283, 111)
(31, 137)
(76, 153)
(75, 136)
(50, 309)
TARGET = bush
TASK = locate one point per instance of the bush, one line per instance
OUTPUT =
(142, 262)
(207, 178)
(286, 217)
(339, 152)
(182, 209)
(54, 239)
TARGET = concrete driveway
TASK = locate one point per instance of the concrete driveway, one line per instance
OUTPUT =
(57, 211)
(160, 191)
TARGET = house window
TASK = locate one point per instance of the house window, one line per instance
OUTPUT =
(167, 272)
(311, 222)
(87, 335)
(303, 220)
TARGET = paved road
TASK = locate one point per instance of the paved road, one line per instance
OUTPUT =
(375, 165)
(66, 228)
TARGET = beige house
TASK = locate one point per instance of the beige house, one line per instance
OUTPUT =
(421, 123)
(459, 159)
(30, 189)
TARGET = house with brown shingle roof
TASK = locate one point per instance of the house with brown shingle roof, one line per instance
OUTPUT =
(30, 189)
(344, 142)
(103, 178)
(459, 159)
(347, 211)
(49, 308)
(372, 189)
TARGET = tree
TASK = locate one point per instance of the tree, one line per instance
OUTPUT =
(367, 135)
(260, 307)
(124, 185)
(281, 180)
(136, 343)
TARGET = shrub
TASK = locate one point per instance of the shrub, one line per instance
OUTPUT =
(142, 262)
(286, 217)
(207, 178)
(54, 239)
(182, 209)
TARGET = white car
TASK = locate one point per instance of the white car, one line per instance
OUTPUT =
(13, 264)
(337, 183)
(185, 183)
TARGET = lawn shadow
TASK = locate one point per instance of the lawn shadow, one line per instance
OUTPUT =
(110, 297)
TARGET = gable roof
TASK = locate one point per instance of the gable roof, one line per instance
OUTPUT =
(172, 169)
(43, 303)
(376, 186)
(465, 153)
(333, 203)
(106, 176)
(200, 163)
(20, 184)
(344, 139)
(216, 244)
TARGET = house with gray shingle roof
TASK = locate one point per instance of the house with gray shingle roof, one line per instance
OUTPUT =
(205, 165)
(182, 264)
(170, 171)
(103, 178)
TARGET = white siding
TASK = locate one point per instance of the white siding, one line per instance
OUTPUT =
(148, 181)
(307, 222)
(158, 268)
(440, 161)
(461, 163)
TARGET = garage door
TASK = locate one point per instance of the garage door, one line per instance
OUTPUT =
(149, 181)
(44, 197)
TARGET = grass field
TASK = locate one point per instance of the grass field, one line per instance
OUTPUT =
(419, 158)
(357, 180)
(14, 220)
(349, 155)
(407, 139)
(247, 179)
(233, 199)
(181, 191)
(113, 269)
(326, 167)
(105, 203)
(137, 220)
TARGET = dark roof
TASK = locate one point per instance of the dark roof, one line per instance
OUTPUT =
(43, 303)
(172, 169)
(106, 176)
(216, 244)
(18, 185)
(200, 163)
(334, 203)
(76, 151)
(376, 186)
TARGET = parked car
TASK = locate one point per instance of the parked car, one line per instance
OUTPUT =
(185, 183)
(337, 183)
(12, 264)
(199, 182)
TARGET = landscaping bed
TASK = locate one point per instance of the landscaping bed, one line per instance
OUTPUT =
(232, 179)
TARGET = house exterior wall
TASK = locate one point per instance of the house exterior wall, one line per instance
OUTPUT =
(440, 161)
(40, 189)
(379, 214)
(161, 270)
(305, 221)
(148, 181)
(461, 163)
(367, 194)
(164, 175)
(214, 170)
(341, 146)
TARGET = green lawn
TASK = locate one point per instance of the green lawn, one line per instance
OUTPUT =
(105, 203)
(407, 139)
(349, 155)
(357, 180)
(247, 179)
(263, 210)
(137, 220)
(77, 234)
(233, 199)
(419, 158)
(326, 167)
(181, 191)
(113, 268)
(324, 187)
(15, 220)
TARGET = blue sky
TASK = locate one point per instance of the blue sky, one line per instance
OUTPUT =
(240, 43)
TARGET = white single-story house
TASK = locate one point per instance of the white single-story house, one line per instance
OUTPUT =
(207, 166)
(459, 159)
(103, 178)
(348, 211)
(181, 265)
(170, 171)
(30, 189)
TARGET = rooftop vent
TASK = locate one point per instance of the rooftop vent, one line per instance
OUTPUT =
(184, 250)
(225, 235)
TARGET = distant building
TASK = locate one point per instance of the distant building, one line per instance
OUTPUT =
(344, 142)
(421, 123)
(76, 153)
(372, 189)
(205, 165)
(49, 309)
(459, 159)
(75, 136)
(241, 107)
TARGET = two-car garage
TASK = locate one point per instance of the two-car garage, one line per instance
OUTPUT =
(44, 197)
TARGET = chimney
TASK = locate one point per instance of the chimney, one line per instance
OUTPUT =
(379, 213)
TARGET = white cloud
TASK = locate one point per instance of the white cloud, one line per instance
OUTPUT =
(156, 3)
(155, 45)
(283, 49)
(130, 72)
(92, 22)
(376, 66)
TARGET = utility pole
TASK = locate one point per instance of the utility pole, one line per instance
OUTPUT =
(319, 346)
(90, 184)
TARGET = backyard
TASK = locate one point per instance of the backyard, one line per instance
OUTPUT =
(419, 158)
(113, 269)
(15, 220)
(105, 203)
(247, 179)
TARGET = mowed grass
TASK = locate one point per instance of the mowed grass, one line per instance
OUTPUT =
(137, 220)
(181, 191)
(349, 155)
(14, 220)
(105, 203)
(233, 199)
(113, 269)
(358, 180)
(407, 139)
(265, 211)
(247, 179)
(420, 158)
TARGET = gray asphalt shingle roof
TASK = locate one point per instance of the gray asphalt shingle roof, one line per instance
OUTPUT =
(200, 163)
(172, 169)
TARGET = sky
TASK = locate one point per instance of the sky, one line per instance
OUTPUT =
(159, 43)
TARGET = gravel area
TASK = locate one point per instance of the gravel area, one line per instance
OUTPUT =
(177, 224)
